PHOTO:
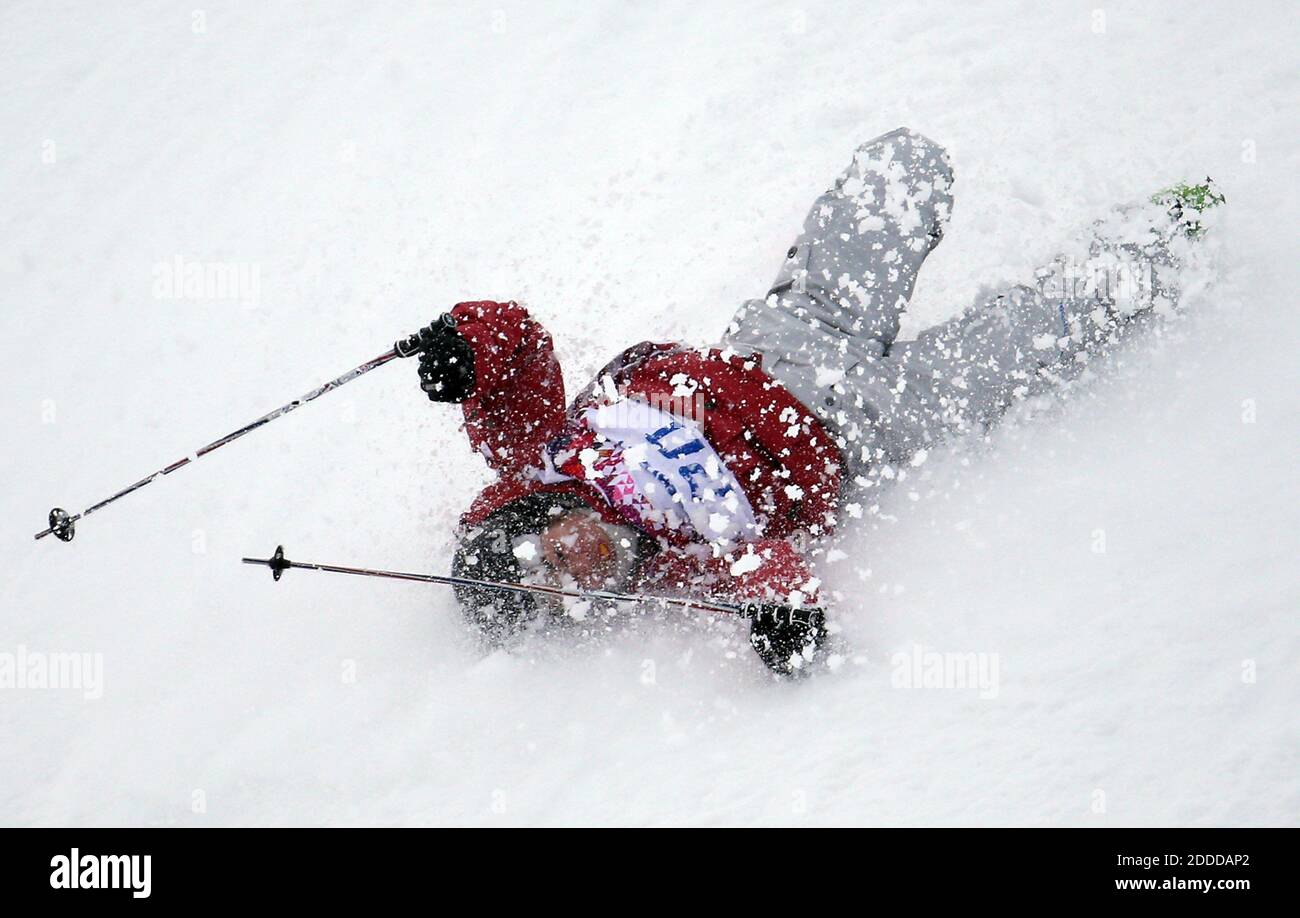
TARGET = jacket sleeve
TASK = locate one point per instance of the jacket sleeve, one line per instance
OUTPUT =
(769, 569)
(518, 400)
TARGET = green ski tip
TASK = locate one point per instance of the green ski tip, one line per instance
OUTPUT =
(1185, 200)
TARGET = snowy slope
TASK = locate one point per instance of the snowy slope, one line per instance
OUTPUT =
(628, 173)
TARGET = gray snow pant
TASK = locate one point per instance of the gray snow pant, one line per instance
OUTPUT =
(826, 329)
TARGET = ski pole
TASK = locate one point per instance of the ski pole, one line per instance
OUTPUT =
(61, 523)
(278, 564)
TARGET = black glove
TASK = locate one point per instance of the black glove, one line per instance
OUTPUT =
(446, 360)
(787, 639)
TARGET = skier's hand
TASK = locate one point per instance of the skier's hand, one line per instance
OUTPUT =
(786, 639)
(446, 361)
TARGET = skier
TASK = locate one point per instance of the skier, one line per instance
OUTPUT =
(710, 471)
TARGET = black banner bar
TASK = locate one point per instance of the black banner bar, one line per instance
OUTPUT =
(1224, 868)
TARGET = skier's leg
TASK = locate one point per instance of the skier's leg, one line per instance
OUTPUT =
(846, 280)
(962, 375)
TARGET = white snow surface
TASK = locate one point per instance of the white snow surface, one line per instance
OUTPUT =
(628, 172)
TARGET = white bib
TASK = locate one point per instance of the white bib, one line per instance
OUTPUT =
(661, 467)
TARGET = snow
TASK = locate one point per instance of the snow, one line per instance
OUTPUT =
(1125, 562)
(828, 376)
(747, 562)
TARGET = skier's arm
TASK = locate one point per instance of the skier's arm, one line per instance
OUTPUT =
(768, 570)
(771, 582)
(515, 402)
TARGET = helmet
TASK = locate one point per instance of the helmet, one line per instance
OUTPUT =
(487, 551)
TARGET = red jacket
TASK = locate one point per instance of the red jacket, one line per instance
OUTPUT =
(785, 461)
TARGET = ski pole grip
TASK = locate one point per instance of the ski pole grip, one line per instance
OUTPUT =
(434, 331)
